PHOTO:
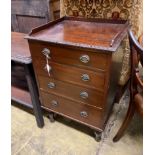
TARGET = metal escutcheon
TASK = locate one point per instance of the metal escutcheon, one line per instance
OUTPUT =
(83, 114)
(46, 52)
(84, 58)
(51, 85)
(54, 103)
(85, 77)
(84, 95)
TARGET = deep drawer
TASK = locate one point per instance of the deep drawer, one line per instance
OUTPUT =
(72, 75)
(79, 112)
(80, 58)
(73, 92)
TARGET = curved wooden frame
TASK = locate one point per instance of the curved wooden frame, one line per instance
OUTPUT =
(136, 99)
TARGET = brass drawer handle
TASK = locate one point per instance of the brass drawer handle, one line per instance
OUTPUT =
(54, 103)
(83, 114)
(51, 85)
(85, 77)
(46, 52)
(84, 58)
(84, 95)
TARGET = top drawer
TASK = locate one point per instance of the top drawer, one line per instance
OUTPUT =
(75, 57)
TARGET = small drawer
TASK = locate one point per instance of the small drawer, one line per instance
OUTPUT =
(69, 56)
(79, 112)
(72, 75)
(73, 92)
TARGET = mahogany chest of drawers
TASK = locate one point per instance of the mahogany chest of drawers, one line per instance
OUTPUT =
(75, 67)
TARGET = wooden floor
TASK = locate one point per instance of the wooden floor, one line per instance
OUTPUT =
(64, 137)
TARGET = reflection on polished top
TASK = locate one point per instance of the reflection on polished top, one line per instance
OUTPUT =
(100, 34)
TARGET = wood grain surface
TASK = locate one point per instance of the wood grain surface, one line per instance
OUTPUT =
(73, 110)
(72, 92)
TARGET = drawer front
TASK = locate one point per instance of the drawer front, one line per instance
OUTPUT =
(72, 75)
(74, 110)
(72, 92)
(70, 56)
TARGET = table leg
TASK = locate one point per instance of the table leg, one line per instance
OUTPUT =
(34, 95)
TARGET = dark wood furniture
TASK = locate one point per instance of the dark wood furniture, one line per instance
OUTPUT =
(72, 60)
(135, 85)
(26, 14)
(20, 57)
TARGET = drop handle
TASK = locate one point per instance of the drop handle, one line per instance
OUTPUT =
(83, 114)
(84, 95)
(84, 58)
(48, 68)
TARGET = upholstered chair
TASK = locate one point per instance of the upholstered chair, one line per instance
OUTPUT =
(135, 86)
(110, 9)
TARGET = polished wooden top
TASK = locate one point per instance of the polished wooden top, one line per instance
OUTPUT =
(20, 48)
(87, 33)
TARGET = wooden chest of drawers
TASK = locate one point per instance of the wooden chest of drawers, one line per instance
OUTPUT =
(75, 68)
